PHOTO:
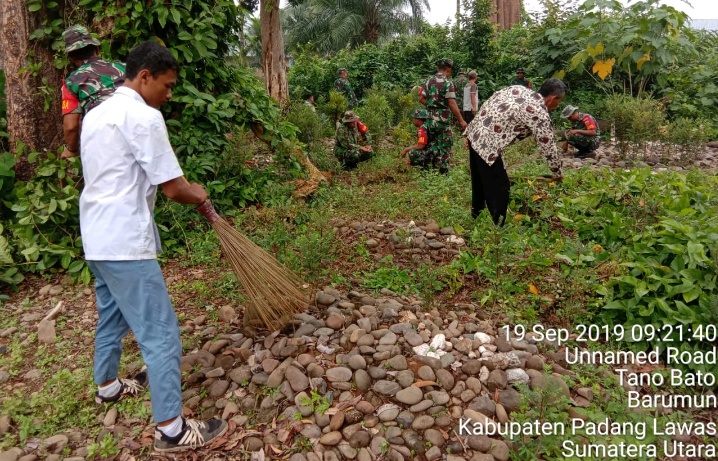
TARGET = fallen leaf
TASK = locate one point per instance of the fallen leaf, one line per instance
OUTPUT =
(559, 74)
(597, 248)
(536, 198)
(423, 384)
(533, 289)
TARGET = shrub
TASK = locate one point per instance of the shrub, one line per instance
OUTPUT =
(376, 113)
(688, 137)
(307, 121)
(637, 121)
(335, 106)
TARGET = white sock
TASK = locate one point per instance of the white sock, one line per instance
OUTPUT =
(110, 389)
(172, 429)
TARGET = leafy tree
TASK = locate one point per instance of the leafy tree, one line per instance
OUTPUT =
(635, 45)
(330, 25)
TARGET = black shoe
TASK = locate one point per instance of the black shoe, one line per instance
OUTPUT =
(194, 434)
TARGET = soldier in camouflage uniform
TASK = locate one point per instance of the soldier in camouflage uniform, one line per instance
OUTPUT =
(353, 142)
(459, 85)
(439, 96)
(521, 79)
(92, 82)
(343, 86)
(584, 135)
(423, 152)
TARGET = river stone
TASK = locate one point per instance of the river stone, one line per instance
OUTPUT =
(501, 414)
(422, 422)
(499, 450)
(484, 405)
(438, 397)
(435, 437)
(398, 363)
(426, 373)
(331, 438)
(388, 339)
(363, 380)
(445, 379)
(410, 395)
(516, 375)
(357, 362)
(297, 380)
(325, 299)
(510, 399)
(405, 378)
(413, 338)
(339, 374)
(387, 388)
(497, 380)
(376, 372)
(421, 406)
(471, 367)
(337, 421)
(479, 442)
(218, 388)
(360, 439)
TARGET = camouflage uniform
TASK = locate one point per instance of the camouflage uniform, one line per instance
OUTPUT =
(437, 90)
(520, 81)
(343, 86)
(459, 85)
(585, 144)
(94, 81)
(422, 157)
(349, 141)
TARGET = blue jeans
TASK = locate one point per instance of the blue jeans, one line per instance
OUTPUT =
(132, 295)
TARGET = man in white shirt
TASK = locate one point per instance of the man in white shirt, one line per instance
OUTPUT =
(126, 155)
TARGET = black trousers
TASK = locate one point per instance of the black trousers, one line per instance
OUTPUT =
(489, 187)
(468, 116)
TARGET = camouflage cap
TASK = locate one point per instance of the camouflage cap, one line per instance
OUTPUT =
(349, 116)
(445, 62)
(422, 114)
(77, 37)
(569, 110)
(520, 70)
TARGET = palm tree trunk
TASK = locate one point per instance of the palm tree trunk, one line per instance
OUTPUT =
(275, 74)
(458, 14)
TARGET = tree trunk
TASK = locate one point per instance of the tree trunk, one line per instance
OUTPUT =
(28, 122)
(458, 14)
(507, 13)
(275, 74)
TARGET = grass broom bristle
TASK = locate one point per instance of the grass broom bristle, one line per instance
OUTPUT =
(274, 292)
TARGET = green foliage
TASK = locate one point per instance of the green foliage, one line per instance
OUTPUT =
(327, 25)
(44, 227)
(637, 120)
(689, 136)
(335, 106)
(307, 121)
(477, 32)
(376, 113)
(636, 45)
(317, 402)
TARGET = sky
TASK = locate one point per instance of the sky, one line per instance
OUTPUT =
(441, 10)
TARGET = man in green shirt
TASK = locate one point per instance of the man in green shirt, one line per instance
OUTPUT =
(343, 86)
(520, 78)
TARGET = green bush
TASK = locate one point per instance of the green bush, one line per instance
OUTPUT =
(306, 119)
(637, 121)
(335, 107)
(688, 137)
(376, 113)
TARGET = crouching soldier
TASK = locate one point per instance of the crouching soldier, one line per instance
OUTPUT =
(421, 154)
(353, 142)
(584, 135)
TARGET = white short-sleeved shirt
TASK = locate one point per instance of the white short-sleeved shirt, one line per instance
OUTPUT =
(126, 154)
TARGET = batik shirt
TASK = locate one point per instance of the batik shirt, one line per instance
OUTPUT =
(510, 115)
(93, 82)
(438, 90)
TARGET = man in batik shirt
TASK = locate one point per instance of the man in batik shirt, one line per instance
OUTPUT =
(509, 115)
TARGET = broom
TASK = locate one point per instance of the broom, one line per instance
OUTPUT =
(275, 293)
